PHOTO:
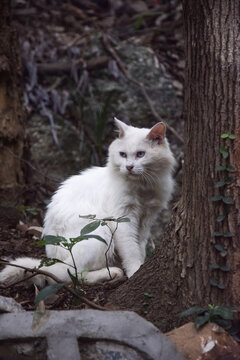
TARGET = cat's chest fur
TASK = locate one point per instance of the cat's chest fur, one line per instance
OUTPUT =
(144, 205)
(142, 201)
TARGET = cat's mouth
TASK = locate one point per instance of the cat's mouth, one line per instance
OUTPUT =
(132, 175)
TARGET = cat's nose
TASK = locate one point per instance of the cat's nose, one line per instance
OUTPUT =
(129, 167)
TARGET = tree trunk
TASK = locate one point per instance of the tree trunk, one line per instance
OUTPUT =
(180, 272)
(11, 110)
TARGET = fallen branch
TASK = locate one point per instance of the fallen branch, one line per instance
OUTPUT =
(139, 84)
(56, 279)
(56, 68)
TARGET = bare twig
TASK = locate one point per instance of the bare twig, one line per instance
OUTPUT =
(110, 243)
(56, 279)
(55, 68)
(139, 84)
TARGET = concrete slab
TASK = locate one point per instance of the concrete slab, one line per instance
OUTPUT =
(110, 335)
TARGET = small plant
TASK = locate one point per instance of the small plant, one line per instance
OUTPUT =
(85, 234)
(28, 210)
(220, 315)
(146, 302)
(225, 200)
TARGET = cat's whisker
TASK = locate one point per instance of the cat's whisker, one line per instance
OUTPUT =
(150, 178)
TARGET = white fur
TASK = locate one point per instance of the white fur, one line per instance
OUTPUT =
(107, 191)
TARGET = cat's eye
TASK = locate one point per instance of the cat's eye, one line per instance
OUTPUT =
(140, 154)
(123, 154)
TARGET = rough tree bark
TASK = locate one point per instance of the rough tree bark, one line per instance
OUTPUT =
(178, 273)
(11, 109)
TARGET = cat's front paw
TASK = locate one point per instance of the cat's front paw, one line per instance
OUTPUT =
(116, 272)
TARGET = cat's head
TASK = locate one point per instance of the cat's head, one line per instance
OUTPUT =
(140, 154)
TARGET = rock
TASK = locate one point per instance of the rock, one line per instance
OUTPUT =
(9, 305)
(211, 342)
(85, 334)
(35, 231)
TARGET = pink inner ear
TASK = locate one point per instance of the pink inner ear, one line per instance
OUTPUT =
(157, 133)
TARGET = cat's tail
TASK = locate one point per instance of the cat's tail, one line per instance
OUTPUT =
(12, 274)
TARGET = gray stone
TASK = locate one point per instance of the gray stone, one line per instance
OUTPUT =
(9, 305)
(87, 335)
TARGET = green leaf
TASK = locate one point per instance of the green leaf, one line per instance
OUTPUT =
(90, 217)
(220, 168)
(48, 291)
(217, 197)
(230, 168)
(225, 268)
(232, 137)
(227, 200)
(74, 241)
(73, 278)
(214, 266)
(217, 234)
(148, 295)
(123, 219)
(224, 152)
(213, 282)
(220, 183)
(226, 312)
(219, 247)
(52, 240)
(201, 320)
(110, 218)
(227, 235)
(192, 310)
(223, 253)
(90, 227)
(216, 284)
(221, 217)
(92, 236)
(224, 136)
(49, 262)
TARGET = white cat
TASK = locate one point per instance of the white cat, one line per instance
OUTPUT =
(136, 183)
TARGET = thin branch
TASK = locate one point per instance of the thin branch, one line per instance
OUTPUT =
(59, 68)
(56, 279)
(110, 243)
(139, 84)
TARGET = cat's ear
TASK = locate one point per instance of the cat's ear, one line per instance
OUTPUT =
(157, 132)
(122, 127)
